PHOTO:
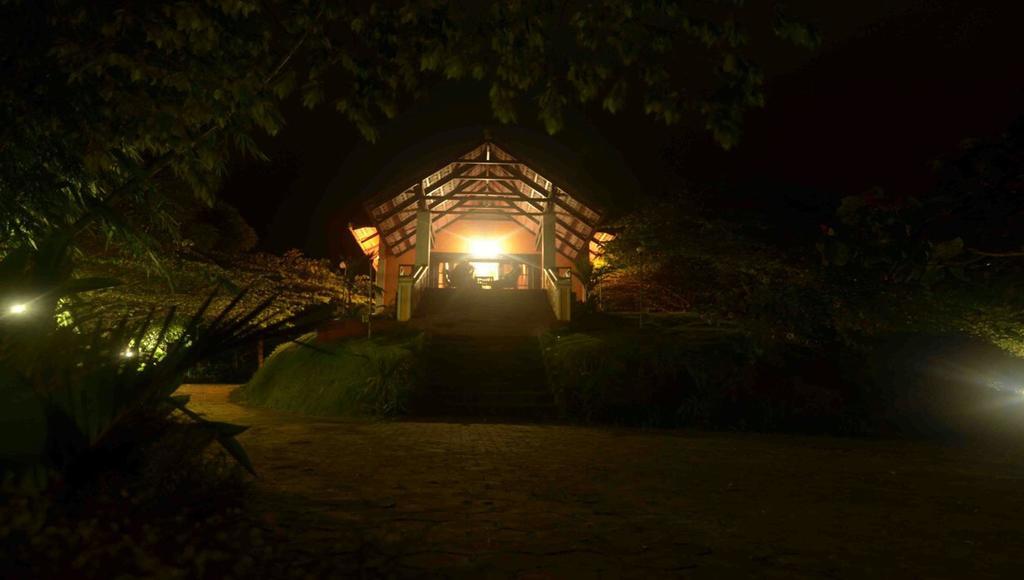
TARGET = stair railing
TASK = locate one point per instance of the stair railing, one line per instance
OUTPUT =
(412, 280)
(559, 290)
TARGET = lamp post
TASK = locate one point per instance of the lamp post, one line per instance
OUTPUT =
(640, 253)
(369, 291)
(343, 268)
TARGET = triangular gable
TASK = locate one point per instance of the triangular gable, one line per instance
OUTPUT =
(486, 181)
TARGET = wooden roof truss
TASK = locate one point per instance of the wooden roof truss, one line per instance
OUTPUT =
(485, 183)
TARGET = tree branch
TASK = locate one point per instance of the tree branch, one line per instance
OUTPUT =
(160, 163)
(997, 254)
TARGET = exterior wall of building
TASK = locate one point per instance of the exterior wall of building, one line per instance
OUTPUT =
(391, 274)
(513, 238)
(563, 262)
(455, 238)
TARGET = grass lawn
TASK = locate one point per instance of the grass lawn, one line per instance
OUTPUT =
(348, 377)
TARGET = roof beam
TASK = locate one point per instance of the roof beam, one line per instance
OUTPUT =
(436, 201)
(474, 196)
(500, 210)
(571, 258)
(412, 232)
(405, 237)
(520, 176)
(485, 178)
(369, 237)
(524, 212)
(537, 203)
(398, 208)
(519, 195)
(553, 195)
(398, 226)
(576, 214)
(444, 180)
(568, 243)
(379, 199)
(442, 228)
(460, 188)
(484, 162)
(459, 216)
(493, 211)
(524, 226)
(575, 232)
(482, 216)
(418, 193)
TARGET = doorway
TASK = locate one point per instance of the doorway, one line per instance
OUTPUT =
(507, 272)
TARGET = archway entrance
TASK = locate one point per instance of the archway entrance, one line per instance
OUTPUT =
(487, 210)
(499, 272)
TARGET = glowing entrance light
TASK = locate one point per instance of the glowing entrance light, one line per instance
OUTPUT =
(484, 247)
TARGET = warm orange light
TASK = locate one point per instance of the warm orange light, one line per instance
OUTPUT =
(369, 241)
(484, 247)
(597, 247)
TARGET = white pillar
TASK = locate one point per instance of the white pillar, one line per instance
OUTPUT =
(382, 268)
(547, 245)
(423, 234)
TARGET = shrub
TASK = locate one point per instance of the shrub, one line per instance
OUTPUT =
(344, 378)
(655, 376)
(939, 385)
(92, 390)
(171, 508)
(903, 384)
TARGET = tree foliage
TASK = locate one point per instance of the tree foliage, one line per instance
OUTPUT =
(101, 101)
(950, 260)
(965, 227)
(294, 281)
(100, 98)
(83, 390)
(677, 258)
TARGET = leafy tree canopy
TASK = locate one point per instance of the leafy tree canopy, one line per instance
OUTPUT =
(102, 98)
(948, 260)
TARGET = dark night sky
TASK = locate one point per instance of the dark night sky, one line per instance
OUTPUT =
(897, 84)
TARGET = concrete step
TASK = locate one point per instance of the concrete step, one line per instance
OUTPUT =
(494, 386)
(500, 313)
(504, 399)
(483, 357)
(483, 412)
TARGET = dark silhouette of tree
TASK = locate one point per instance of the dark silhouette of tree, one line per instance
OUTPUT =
(101, 101)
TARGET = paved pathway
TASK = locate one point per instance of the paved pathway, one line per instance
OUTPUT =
(542, 501)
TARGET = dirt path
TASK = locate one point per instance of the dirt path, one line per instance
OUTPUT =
(542, 501)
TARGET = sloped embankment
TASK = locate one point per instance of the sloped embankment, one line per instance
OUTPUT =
(350, 377)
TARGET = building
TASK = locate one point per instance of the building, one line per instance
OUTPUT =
(488, 218)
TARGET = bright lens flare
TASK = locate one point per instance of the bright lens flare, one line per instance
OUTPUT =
(18, 308)
(484, 247)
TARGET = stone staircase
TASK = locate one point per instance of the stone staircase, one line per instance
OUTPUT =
(483, 358)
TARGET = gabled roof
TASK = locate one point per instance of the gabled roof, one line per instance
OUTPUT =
(486, 182)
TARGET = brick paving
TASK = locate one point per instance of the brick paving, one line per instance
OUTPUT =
(439, 499)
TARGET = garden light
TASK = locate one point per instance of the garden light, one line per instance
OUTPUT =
(128, 353)
(18, 308)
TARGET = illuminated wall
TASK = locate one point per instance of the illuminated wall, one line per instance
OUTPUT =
(391, 274)
(512, 239)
